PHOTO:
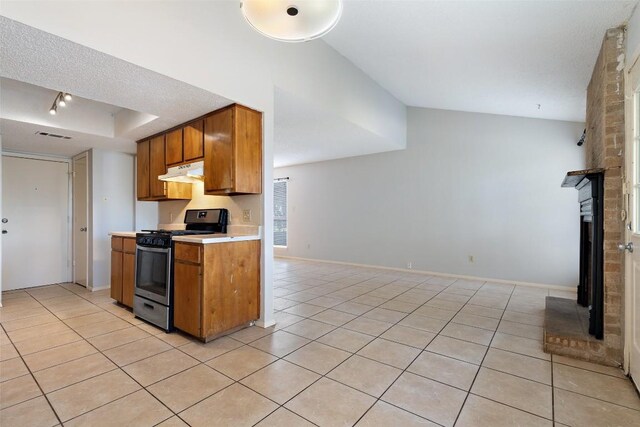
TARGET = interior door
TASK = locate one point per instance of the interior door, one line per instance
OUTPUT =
(35, 239)
(80, 220)
(632, 192)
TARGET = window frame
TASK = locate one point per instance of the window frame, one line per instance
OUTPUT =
(276, 218)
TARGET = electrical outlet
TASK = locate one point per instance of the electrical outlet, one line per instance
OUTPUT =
(246, 215)
(471, 258)
(409, 265)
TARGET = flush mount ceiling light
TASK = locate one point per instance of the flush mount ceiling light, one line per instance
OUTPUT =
(60, 101)
(292, 20)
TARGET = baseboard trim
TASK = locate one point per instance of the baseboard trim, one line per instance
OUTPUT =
(433, 273)
(99, 288)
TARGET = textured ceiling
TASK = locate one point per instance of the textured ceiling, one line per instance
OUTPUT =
(21, 137)
(500, 57)
(42, 59)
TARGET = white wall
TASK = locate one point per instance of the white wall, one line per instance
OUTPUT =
(467, 184)
(112, 194)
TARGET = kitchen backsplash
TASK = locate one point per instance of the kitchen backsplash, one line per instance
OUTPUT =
(172, 212)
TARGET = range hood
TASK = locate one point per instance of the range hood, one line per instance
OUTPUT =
(189, 173)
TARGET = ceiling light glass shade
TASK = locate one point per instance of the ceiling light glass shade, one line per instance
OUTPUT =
(67, 97)
(53, 111)
(62, 103)
(292, 20)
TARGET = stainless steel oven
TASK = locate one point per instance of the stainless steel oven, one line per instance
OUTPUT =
(153, 293)
(153, 273)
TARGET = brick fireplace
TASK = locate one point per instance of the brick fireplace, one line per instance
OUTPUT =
(604, 149)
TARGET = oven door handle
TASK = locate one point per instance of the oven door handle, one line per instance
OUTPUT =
(150, 249)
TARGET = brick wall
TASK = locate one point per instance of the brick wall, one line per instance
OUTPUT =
(604, 149)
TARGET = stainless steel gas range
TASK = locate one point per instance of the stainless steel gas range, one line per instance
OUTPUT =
(153, 294)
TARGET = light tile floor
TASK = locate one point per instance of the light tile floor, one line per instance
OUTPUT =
(351, 346)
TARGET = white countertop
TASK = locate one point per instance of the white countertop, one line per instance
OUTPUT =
(237, 233)
(123, 234)
(205, 239)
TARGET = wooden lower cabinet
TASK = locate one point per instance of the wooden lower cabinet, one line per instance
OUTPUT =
(123, 264)
(218, 290)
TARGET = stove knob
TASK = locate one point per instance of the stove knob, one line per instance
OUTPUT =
(159, 242)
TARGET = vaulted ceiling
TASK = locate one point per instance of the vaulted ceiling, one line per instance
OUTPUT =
(519, 58)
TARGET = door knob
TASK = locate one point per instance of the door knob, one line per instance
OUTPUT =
(5, 220)
(83, 229)
(628, 247)
(4, 231)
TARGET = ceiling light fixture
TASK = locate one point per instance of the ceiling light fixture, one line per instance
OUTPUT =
(61, 100)
(292, 20)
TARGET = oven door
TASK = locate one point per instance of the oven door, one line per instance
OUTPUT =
(153, 274)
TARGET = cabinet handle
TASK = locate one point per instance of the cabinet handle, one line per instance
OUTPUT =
(148, 306)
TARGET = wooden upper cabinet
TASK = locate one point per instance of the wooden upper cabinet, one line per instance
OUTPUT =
(142, 160)
(193, 141)
(233, 151)
(173, 148)
(218, 151)
(186, 144)
(228, 140)
(151, 164)
(157, 166)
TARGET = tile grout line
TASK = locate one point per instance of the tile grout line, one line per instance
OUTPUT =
(33, 378)
(464, 402)
(418, 355)
(388, 299)
(117, 367)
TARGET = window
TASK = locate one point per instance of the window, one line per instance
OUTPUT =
(280, 212)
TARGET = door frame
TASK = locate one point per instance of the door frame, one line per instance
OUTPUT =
(59, 159)
(631, 74)
(86, 155)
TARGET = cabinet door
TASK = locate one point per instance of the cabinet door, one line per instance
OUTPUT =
(247, 151)
(128, 278)
(193, 141)
(218, 151)
(186, 298)
(157, 167)
(116, 275)
(142, 160)
(231, 295)
(173, 147)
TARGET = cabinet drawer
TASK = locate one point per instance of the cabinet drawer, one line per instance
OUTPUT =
(189, 253)
(129, 245)
(116, 243)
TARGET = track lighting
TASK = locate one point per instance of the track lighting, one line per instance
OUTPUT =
(61, 100)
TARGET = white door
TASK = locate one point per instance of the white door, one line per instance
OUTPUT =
(632, 192)
(35, 210)
(80, 220)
